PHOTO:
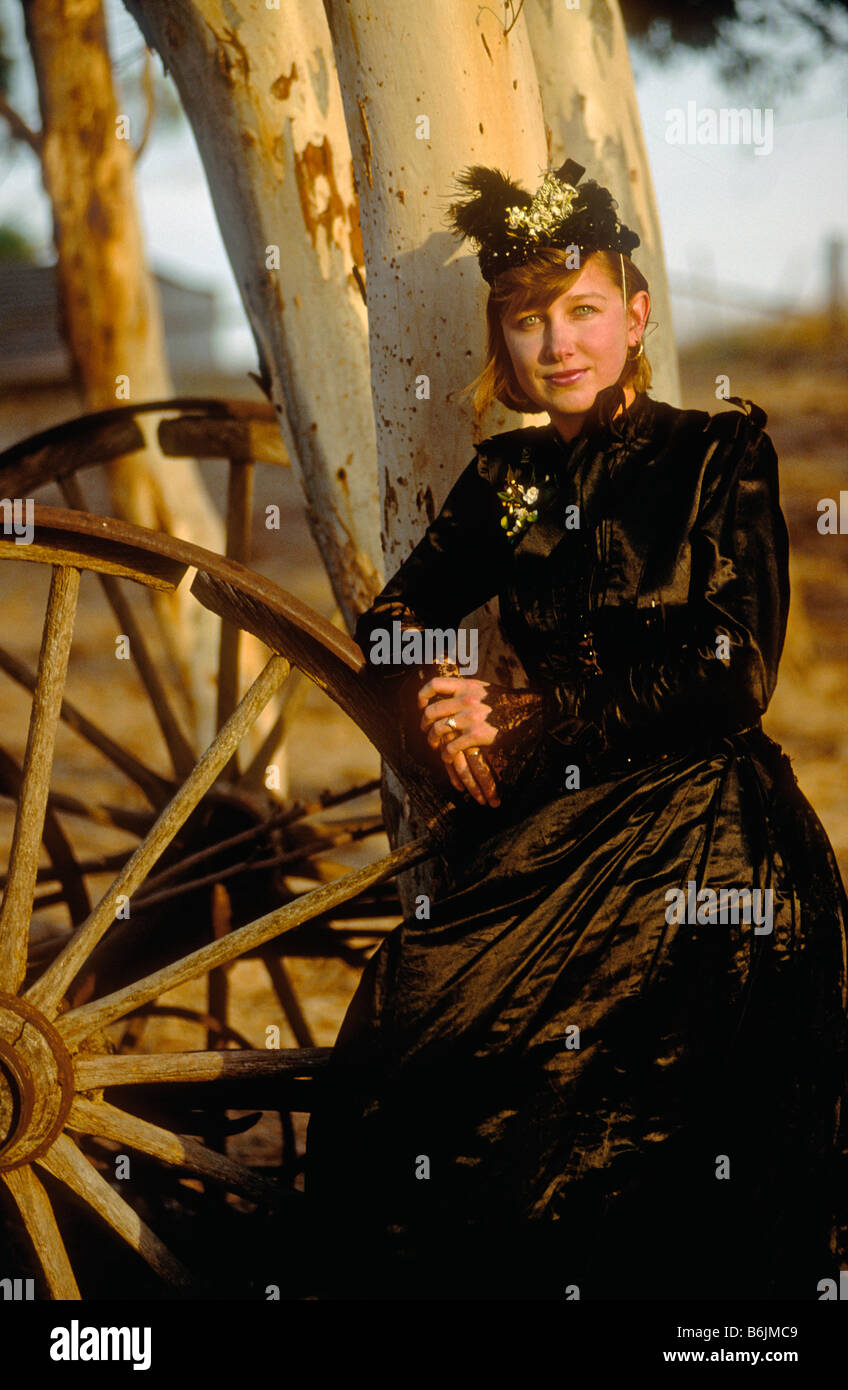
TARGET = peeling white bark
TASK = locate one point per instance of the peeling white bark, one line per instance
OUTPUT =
(259, 87)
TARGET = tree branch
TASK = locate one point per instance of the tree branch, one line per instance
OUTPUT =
(149, 89)
(827, 33)
(19, 128)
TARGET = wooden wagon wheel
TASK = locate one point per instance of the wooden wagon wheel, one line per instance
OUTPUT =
(244, 433)
(56, 1055)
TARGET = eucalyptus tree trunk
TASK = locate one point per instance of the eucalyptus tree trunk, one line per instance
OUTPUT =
(258, 84)
(111, 313)
(428, 88)
(589, 101)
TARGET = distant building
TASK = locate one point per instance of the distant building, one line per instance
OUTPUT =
(32, 352)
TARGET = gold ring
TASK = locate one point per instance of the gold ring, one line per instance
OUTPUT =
(451, 722)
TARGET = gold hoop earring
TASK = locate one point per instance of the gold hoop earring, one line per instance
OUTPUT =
(636, 355)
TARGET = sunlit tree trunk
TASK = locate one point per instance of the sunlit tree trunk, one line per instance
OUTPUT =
(259, 86)
(110, 309)
(589, 101)
(461, 92)
(428, 89)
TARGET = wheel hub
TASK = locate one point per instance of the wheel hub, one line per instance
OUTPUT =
(36, 1083)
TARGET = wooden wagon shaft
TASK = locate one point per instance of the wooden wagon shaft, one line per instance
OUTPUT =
(108, 1122)
(78, 1023)
(255, 440)
(38, 761)
(213, 429)
(92, 1073)
(48, 456)
(48, 990)
(38, 1218)
(65, 1161)
(156, 788)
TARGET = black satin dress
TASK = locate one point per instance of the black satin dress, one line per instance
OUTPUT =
(552, 1087)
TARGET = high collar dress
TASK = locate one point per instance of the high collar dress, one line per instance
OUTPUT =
(608, 1061)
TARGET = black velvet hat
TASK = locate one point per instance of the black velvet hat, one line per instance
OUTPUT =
(509, 226)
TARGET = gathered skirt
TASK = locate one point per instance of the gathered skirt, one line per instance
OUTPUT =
(585, 1074)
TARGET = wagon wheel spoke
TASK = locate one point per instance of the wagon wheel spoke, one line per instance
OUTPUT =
(91, 1072)
(106, 1121)
(48, 990)
(239, 509)
(40, 1223)
(77, 1024)
(67, 1163)
(155, 788)
(284, 990)
(181, 752)
(291, 700)
(179, 748)
(38, 760)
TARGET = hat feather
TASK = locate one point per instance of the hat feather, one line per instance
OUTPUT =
(494, 193)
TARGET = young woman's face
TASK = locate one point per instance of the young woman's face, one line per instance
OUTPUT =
(565, 354)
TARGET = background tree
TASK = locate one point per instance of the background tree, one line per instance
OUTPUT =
(110, 312)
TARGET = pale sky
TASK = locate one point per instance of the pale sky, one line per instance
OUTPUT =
(756, 224)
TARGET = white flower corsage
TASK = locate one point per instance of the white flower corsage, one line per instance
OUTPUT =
(521, 504)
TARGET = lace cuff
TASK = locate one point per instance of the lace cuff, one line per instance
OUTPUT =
(519, 717)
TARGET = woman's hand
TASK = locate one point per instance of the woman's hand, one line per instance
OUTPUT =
(462, 700)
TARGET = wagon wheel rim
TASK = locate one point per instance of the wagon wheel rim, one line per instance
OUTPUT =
(47, 1091)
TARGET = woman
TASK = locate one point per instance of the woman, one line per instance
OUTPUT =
(609, 1062)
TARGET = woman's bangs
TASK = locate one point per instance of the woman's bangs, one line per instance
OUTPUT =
(535, 286)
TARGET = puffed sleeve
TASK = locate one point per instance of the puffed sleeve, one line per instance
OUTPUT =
(724, 668)
(454, 568)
